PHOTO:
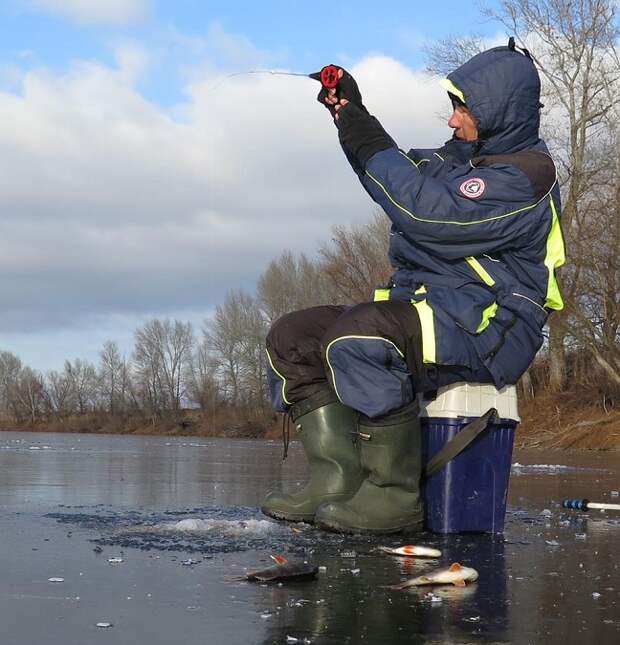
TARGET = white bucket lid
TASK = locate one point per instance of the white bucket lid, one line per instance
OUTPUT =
(471, 400)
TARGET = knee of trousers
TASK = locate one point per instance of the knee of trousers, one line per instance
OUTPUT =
(365, 359)
(300, 332)
(295, 363)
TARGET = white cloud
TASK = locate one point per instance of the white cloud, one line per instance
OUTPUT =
(95, 11)
(112, 206)
(132, 60)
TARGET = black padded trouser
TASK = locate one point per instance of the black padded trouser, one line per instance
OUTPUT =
(369, 355)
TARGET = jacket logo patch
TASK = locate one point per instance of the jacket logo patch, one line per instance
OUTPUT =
(473, 188)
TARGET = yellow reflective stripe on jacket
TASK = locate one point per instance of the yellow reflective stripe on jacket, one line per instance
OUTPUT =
(427, 323)
(449, 86)
(487, 314)
(420, 290)
(331, 369)
(480, 271)
(279, 376)
(381, 295)
(454, 222)
(554, 258)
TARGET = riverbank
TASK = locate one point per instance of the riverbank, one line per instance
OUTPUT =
(548, 422)
(564, 422)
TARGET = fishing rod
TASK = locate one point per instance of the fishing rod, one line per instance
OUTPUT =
(586, 504)
(328, 76)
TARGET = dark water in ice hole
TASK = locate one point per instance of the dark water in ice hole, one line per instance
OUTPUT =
(158, 502)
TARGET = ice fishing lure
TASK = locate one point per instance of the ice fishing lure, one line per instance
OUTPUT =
(586, 504)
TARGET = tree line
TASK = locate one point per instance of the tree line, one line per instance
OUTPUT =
(173, 367)
(222, 366)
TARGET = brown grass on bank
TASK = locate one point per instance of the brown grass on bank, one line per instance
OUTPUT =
(569, 420)
(226, 421)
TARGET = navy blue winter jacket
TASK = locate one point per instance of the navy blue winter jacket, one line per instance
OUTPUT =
(476, 237)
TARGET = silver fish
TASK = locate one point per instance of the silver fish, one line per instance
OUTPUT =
(410, 550)
(456, 574)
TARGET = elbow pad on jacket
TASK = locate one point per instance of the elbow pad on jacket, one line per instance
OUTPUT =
(361, 135)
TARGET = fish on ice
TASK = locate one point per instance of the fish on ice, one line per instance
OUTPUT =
(411, 550)
(456, 574)
(281, 570)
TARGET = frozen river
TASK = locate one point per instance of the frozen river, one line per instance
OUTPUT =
(177, 516)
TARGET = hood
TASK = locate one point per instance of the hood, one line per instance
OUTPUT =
(501, 88)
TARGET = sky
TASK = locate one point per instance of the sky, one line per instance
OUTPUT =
(138, 179)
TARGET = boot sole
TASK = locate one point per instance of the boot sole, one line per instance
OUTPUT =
(288, 518)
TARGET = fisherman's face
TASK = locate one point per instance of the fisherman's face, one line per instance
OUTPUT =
(464, 124)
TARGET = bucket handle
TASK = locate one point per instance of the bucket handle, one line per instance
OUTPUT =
(459, 442)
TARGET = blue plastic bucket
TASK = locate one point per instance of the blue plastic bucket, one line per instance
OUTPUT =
(469, 493)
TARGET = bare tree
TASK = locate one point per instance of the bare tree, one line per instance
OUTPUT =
(203, 385)
(82, 379)
(356, 261)
(162, 351)
(57, 394)
(593, 316)
(113, 377)
(290, 283)
(28, 396)
(446, 54)
(254, 357)
(10, 367)
(236, 335)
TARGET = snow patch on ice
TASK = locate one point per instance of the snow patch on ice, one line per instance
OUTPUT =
(551, 469)
(228, 527)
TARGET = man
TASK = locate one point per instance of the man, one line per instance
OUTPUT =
(475, 243)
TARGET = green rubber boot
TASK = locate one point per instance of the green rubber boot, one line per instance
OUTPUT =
(327, 434)
(388, 501)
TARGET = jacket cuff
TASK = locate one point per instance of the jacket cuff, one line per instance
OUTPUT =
(361, 135)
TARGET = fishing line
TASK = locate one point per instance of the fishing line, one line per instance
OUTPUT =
(256, 71)
(329, 76)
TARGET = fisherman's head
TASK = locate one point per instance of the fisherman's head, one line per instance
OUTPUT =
(462, 121)
(496, 99)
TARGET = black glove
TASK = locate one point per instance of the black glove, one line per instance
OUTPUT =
(346, 89)
(361, 135)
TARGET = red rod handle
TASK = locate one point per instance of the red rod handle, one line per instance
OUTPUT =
(329, 76)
